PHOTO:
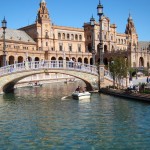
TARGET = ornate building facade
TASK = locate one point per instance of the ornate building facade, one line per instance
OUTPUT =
(45, 41)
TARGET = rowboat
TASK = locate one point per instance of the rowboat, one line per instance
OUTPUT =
(79, 96)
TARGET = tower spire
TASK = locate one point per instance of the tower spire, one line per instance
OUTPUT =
(43, 1)
(130, 17)
(43, 13)
(130, 28)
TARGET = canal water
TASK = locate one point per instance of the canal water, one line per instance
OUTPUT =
(38, 119)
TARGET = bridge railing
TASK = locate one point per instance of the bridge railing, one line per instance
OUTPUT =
(35, 65)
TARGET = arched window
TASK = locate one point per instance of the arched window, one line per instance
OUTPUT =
(20, 59)
(68, 36)
(105, 48)
(111, 37)
(76, 37)
(67, 58)
(11, 60)
(80, 59)
(91, 61)
(141, 62)
(46, 35)
(63, 37)
(124, 41)
(59, 36)
(85, 60)
(70, 47)
(53, 58)
(60, 58)
(79, 47)
(37, 59)
(72, 37)
(60, 47)
(80, 37)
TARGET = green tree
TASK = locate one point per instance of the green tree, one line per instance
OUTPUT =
(119, 70)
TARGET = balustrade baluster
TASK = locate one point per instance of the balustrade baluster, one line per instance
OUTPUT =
(49, 64)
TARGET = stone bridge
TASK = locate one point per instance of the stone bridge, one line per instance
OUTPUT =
(10, 75)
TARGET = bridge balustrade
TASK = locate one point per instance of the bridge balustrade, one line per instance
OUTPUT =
(35, 65)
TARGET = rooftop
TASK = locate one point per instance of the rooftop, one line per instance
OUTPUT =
(16, 35)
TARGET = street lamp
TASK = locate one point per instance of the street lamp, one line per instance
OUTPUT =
(101, 66)
(100, 13)
(4, 26)
(92, 22)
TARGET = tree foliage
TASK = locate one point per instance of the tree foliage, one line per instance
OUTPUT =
(119, 69)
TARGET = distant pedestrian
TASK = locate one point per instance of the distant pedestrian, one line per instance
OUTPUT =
(147, 79)
(71, 63)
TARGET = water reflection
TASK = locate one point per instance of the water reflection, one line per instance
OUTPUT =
(37, 118)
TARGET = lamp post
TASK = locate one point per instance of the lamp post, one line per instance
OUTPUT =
(92, 22)
(101, 66)
(4, 26)
(100, 13)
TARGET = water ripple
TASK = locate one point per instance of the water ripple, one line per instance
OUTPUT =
(37, 118)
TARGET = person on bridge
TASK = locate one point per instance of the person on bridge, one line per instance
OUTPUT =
(71, 63)
(147, 79)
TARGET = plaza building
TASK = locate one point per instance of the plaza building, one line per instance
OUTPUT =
(45, 41)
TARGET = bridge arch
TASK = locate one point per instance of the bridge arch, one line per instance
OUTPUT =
(11, 74)
(90, 80)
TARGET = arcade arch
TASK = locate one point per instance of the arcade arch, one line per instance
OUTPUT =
(20, 59)
(11, 60)
(141, 62)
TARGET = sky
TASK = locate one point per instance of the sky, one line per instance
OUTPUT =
(74, 13)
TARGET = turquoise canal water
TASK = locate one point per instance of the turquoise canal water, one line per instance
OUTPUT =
(37, 119)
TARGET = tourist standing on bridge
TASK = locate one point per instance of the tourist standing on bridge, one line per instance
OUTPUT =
(75, 64)
(26, 64)
(147, 79)
(42, 63)
(71, 63)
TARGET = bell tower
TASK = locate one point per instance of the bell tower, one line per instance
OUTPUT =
(131, 33)
(130, 28)
(43, 14)
(132, 41)
(44, 28)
